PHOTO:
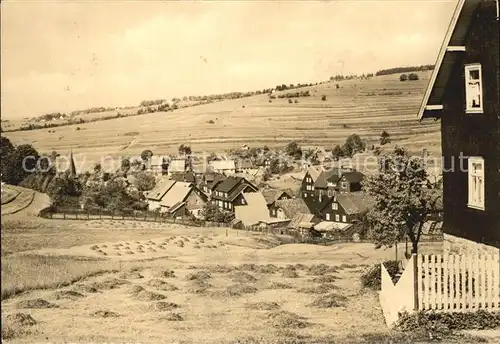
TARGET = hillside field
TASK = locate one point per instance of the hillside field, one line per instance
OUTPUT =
(365, 107)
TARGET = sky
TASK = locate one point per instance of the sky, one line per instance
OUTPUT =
(63, 56)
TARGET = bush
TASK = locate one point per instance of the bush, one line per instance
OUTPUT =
(371, 277)
(323, 98)
(439, 325)
(403, 77)
(413, 76)
(290, 101)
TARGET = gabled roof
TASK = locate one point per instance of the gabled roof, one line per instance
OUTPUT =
(178, 165)
(293, 206)
(314, 173)
(229, 184)
(455, 36)
(221, 165)
(302, 220)
(177, 193)
(160, 189)
(176, 207)
(331, 175)
(239, 189)
(270, 195)
(255, 210)
(184, 177)
(355, 203)
(213, 184)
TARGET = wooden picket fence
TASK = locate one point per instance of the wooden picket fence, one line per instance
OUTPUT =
(456, 283)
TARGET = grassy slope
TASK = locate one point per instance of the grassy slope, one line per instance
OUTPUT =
(366, 107)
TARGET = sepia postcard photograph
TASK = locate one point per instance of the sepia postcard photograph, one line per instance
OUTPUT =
(250, 171)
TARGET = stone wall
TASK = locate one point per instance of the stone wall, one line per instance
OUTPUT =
(457, 245)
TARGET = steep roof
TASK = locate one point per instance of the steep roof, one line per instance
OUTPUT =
(228, 184)
(455, 36)
(331, 175)
(161, 188)
(223, 164)
(255, 210)
(332, 226)
(355, 203)
(178, 165)
(239, 189)
(314, 173)
(270, 195)
(293, 206)
(177, 193)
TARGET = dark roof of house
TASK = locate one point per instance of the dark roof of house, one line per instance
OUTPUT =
(331, 175)
(353, 177)
(236, 192)
(314, 173)
(293, 206)
(175, 207)
(455, 36)
(183, 177)
(229, 184)
(355, 203)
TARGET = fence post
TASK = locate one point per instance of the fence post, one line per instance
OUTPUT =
(415, 281)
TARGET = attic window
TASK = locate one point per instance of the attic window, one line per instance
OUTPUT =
(473, 89)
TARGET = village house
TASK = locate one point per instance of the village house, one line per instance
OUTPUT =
(177, 166)
(287, 208)
(255, 212)
(229, 193)
(225, 167)
(157, 164)
(183, 199)
(188, 177)
(463, 93)
(209, 182)
(320, 185)
(154, 196)
(273, 195)
(347, 207)
(246, 166)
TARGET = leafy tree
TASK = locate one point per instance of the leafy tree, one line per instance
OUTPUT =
(323, 98)
(125, 164)
(337, 152)
(184, 150)
(21, 163)
(62, 186)
(212, 213)
(385, 138)
(404, 199)
(146, 155)
(413, 76)
(7, 148)
(353, 145)
(144, 181)
(403, 77)
(293, 149)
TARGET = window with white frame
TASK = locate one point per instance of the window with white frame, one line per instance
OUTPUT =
(305, 194)
(337, 217)
(473, 89)
(335, 206)
(476, 182)
(327, 217)
(344, 218)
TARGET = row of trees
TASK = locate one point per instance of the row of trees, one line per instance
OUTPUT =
(291, 95)
(405, 69)
(340, 77)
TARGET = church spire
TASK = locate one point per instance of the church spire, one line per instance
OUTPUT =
(72, 168)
